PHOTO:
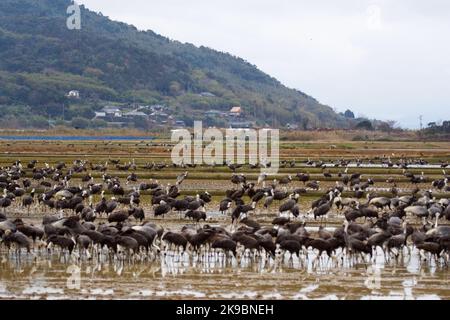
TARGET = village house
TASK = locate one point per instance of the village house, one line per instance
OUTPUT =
(235, 112)
(292, 126)
(123, 116)
(112, 111)
(179, 124)
(156, 107)
(73, 94)
(110, 114)
(134, 114)
(241, 125)
(159, 115)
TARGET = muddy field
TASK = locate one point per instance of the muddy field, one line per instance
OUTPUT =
(57, 275)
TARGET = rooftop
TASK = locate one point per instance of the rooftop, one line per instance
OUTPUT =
(135, 114)
(110, 109)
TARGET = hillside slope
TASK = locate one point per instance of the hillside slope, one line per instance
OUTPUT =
(107, 61)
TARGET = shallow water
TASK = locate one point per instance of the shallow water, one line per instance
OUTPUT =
(175, 277)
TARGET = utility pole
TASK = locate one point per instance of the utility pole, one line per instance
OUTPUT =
(420, 119)
(273, 118)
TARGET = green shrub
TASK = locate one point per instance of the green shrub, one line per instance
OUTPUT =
(80, 123)
(99, 123)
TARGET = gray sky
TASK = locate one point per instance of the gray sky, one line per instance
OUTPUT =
(382, 59)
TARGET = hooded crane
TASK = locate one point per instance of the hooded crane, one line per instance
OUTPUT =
(137, 213)
(285, 180)
(303, 177)
(5, 201)
(175, 239)
(227, 245)
(380, 202)
(397, 241)
(225, 205)
(111, 205)
(353, 244)
(18, 238)
(196, 204)
(28, 200)
(324, 208)
(289, 204)
(241, 210)
(162, 209)
(180, 205)
(313, 185)
(418, 211)
(118, 216)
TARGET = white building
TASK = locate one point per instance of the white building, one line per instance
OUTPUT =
(74, 94)
(111, 111)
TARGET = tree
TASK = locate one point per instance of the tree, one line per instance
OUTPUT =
(140, 123)
(174, 88)
(53, 109)
(38, 122)
(387, 126)
(365, 124)
(391, 123)
(98, 123)
(79, 111)
(349, 114)
(188, 120)
(80, 123)
(438, 128)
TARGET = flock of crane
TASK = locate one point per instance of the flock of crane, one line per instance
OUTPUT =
(122, 226)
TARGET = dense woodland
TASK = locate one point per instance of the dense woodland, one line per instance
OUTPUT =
(41, 60)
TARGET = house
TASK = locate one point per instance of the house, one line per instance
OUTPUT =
(292, 126)
(111, 111)
(134, 114)
(156, 107)
(73, 94)
(100, 114)
(241, 125)
(159, 114)
(180, 124)
(235, 112)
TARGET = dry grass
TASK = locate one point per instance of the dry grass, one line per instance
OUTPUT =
(161, 149)
(64, 131)
(348, 135)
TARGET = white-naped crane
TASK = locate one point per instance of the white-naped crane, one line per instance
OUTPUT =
(261, 179)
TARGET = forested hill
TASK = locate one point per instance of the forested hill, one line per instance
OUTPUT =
(113, 62)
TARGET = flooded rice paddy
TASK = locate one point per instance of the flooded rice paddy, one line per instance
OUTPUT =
(168, 275)
(174, 277)
(45, 275)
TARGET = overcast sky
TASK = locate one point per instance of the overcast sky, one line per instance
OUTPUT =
(382, 59)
